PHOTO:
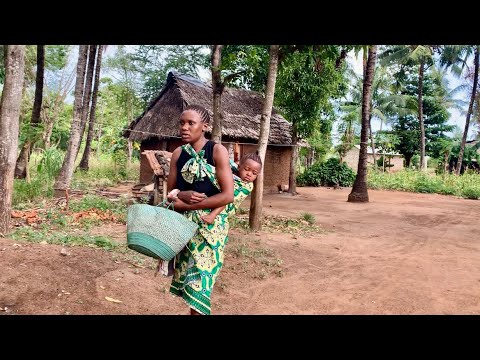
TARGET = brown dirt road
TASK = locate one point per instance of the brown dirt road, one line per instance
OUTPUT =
(402, 253)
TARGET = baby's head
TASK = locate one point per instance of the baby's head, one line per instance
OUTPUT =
(249, 167)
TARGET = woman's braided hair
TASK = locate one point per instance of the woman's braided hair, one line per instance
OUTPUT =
(200, 110)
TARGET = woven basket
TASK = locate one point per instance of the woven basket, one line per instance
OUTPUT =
(158, 232)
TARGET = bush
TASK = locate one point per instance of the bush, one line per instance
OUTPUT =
(471, 193)
(328, 173)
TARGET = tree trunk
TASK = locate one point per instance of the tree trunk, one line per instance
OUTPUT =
(372, 141)
(129, 152)
(292, 181)
(359, 190)
(21, 168)
(88, 144)
(339, 61)
(445, 163)
(408, 159)
(87, 93)
(62, 182)
(420, 116)
(255, 218)
(469, 113)
(217, 89)
(14, 62)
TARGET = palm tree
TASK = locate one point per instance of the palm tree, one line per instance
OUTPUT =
(62, 181)
(91, 123)
(384, 102)
(407, 55)
(359, 191)
(456, 57)
(217, 90)
(14, 59)
(255, 218)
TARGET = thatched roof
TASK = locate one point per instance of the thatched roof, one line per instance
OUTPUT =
(241, 111)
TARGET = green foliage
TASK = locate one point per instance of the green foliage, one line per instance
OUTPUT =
(329, 173)
(61, 237)
(248, 60)
(307, 83)
(56, 56)
(435, 101)
(471, 192)
(153, 62)
(42, 177)
(61, 129)
(97, 202)
(467, 185)
(50, 163)
(24, 192)
(310, 218)
(104, 172)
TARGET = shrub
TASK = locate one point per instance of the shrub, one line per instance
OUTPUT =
(328, 173)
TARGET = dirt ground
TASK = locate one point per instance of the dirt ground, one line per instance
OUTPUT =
(401, 253)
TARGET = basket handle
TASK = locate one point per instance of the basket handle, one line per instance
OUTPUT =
(170, 206)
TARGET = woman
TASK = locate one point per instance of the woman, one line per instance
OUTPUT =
(199, 263)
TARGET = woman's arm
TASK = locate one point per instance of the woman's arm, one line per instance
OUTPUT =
(225, 180)
(172, 175)
(189, 196)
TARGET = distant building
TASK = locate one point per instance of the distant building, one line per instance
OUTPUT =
(351, 158)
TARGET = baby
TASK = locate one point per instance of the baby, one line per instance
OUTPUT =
(248, 169)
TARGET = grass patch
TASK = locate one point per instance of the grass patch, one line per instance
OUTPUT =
(304, 224)
(250, 257)
(466, 185)
(309, 218)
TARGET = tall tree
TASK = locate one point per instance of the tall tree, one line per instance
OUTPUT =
(456, 57)
(91, 123)
(217, 90)
(218, 85)
(408, 55)
(308, 79)
(359, 191)
(21, 169)
(255, 218)
(64, 178)
(87, 93)
(385, 102)
(14, 62)
(436, 101)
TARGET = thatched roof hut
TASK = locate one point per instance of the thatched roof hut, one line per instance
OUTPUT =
(157, 128)
(241, 110)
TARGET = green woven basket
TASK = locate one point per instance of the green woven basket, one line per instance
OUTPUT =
(158, 232)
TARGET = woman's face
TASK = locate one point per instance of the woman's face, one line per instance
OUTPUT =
(191, 126)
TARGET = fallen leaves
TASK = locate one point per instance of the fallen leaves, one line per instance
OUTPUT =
(96, 214)
(34, 218)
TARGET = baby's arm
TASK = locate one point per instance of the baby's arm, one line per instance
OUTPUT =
(210, 218)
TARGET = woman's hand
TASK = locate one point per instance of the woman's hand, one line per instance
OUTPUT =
(179, 205)
(191, 197)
